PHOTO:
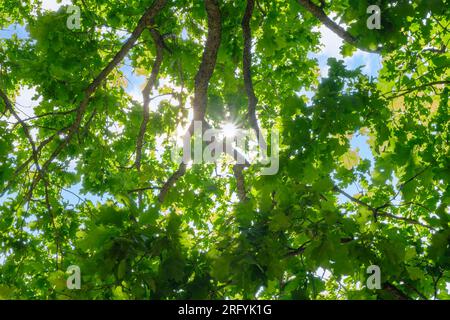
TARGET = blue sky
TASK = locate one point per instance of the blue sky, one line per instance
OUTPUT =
(371, 64)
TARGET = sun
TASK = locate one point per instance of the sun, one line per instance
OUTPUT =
(229, 130)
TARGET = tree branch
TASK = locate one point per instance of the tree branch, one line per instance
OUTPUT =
(377, 211)
(202, 79)
(143, 189)
(34, 156)
(209, 58)
(171, 181)
(317, 12)
(404, 92)
(146, 94)
(53, 113)
(246, 67)
(240, 182)
(395, 292)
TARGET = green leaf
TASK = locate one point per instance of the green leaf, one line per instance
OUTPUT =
(350, 159)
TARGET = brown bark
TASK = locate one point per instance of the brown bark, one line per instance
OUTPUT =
(90, 90)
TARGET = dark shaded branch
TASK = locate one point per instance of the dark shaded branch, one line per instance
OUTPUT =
(143, 189)
(377, 211)
(88, 123)
(53, 113)
(240, 182)
(246, 67)
(302, 248)
(209, 58)
(317, 12)
(24, 126)
(27, 162)
(34, 151)
(412, 203)
(395, 292)
(404, 92)
(159, 43)
(420, 294)
(299, 250)
(441, 50)
(171, 181)
(263, 12)
(35, 158)
(435, 284)
(52, 218)
(401, 186)
(336, 188)
(408, 220)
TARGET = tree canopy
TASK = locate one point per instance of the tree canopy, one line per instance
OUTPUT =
(141, 226)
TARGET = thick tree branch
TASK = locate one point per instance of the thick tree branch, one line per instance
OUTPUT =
(35, 157)
(159, 43)
(52, 218)
(146, 94)
(302, 248)
(202, 79)
(240, 182)
(420, 294)
(317, 12)
(171, 181)
(441, 50)
(53, 113)
(143, 189)
(209, 58)
(142, 24)
(299, 250)
(401, 186)
(246, 67)
(395, 292)
(34, 150)
(252, 99)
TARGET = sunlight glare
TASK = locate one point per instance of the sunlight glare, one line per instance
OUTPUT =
(229, 130)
